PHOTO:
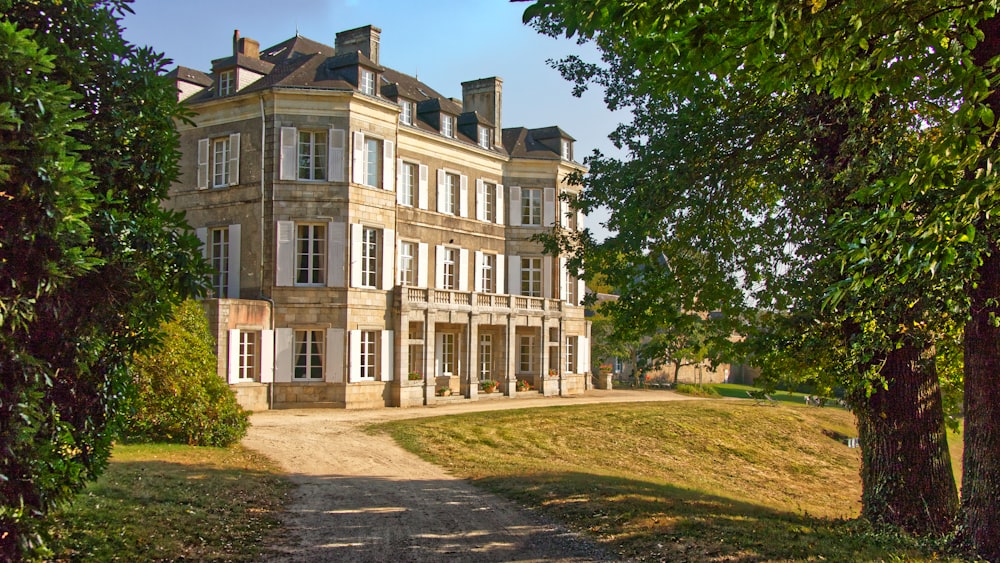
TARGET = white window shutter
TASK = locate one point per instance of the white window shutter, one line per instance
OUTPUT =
(423, 250)
(354, 355)
(336, 251)
(499, 206)
(388, 165)
(266, 356)
(582, 354)
(336, 160)
(234, 159)
(440, 192)
(549, 207)
(358, 162)
(515, 207)
(581, 291)
(202, 234)
(386, 360)
(463, 195)
(334, 355)
(480, 200)
(202, 172)
(514, 275)
(399, 181)
(289, 167)
(388, 258)
(233, 291)
(356, 234)
(462, 269)
(564, 214)
(284, 357)
(439, 266)
(499, 277)
(234, 356)
(422, 186)
(284, 263)
(438, 347)
(547, 277)
(477, 272)
(563, 280)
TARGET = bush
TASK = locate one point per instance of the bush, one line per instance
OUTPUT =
(697, 390)
(179, 397)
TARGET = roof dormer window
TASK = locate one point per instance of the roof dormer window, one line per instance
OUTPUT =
(406, 112)
(447, 125)
(567, 150)
(227, 82)
(367, 82)
(484, 137)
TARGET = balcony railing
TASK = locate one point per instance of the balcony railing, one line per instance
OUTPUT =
(466, 300)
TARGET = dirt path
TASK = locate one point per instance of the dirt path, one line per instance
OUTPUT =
(363, 498)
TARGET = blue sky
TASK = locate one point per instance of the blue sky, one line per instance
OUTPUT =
(443, 42)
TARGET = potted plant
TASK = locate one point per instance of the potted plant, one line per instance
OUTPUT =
(489, 385)
(523, 385)
(443, 391)
(553, 373)
(414, 376)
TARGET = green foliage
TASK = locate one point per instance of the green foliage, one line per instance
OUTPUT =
(178, 395)
(89, 263)
(697, 390)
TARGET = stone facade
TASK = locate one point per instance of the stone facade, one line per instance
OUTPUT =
(371, 239)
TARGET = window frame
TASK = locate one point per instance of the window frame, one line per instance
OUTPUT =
(308, 345)
(525, 355)
(407, 263)
(316, 266)
(370, 250)
(531, 276)
(485, 140)
(313, 154)
(571, 345)
(227, 82)
(448, 125)
(249, 345)
(218, 256)
(409, 176)
(366, 82)
(485, 356)
(531, 207)
(452, 184)
(372, 166)
(220, 165)
(449, 269)
(487, 273)
(406, 111)
(449, 354)
(368, 355)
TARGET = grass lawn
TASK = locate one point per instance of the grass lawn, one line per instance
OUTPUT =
(676, 481)
(169, 502)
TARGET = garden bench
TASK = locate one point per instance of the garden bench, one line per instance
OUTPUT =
(760, 397)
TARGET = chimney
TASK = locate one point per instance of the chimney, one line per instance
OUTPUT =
(485, 96)
(236, 40)
(248, 47)
(364, 39)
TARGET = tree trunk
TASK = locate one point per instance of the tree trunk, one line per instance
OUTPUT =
(677, 371)
(905, 465)
(981, 462)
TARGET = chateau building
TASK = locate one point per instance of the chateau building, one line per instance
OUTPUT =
(371, 239)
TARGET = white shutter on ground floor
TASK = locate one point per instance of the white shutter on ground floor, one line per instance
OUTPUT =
(582, 354)
(334, 355)
(386, 360)
(266, 356)
(234, 356)
(283, 354)
(202, 234)
(354, 355)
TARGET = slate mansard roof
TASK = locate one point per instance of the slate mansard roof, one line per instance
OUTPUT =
(300, 62)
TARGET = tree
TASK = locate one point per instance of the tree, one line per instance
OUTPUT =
(179, 397)
(723, 120)
(89, 262)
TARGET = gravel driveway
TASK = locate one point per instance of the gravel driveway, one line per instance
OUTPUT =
(363, 498)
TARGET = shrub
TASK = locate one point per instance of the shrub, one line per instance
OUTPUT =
(179, 397)
(697, 390)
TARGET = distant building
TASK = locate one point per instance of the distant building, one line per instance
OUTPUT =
(371, 238)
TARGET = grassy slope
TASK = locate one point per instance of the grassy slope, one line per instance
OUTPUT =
(677, 481)
(170, 502)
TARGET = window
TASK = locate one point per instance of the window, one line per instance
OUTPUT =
(524, 355)
(308, 354)
(219, 258)
(406, 114)
(407, 264)
(484, 137)
(531, 206)
(372, 162)
(227, 82)
(487, 274)
(448, 272)
(572, 290)
(312, 155)
(220, 163)
(408, 184)
(485, 356)
(248, 353)
(368, 357)
(310, 254)
(489, 202)
(448, 354)
(367, 82)
(566, 150)
(571, 354)
(447, 125)
(369, 257)
(531, 277)
(450, 193)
